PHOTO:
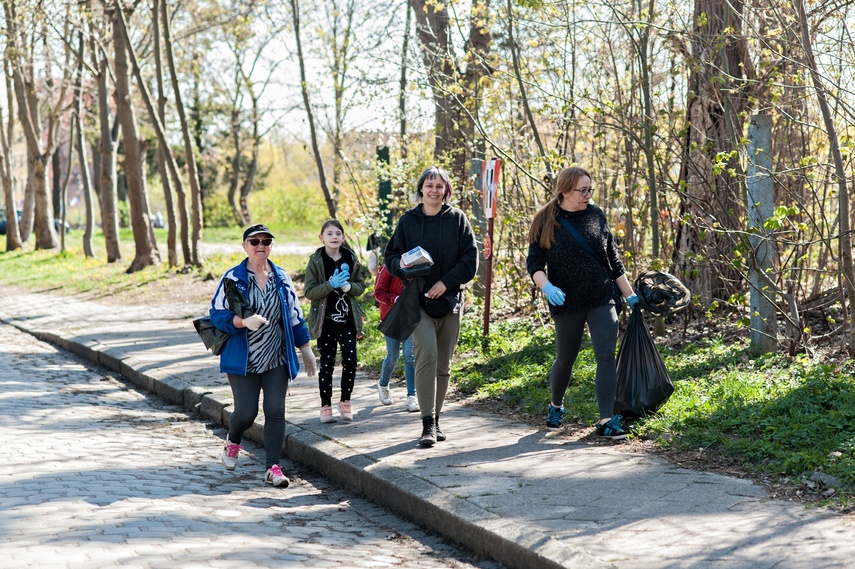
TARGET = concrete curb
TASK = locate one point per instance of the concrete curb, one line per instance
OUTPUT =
(402, 492)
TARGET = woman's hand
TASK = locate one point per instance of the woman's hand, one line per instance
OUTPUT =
(436, 290)
(254, 322)
(553, 294)
(309, 362)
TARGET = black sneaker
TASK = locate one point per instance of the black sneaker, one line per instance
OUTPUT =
(612, 429)
(440, 436)
(555, 417)
(428, 438)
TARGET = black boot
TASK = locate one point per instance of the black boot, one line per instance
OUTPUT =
(440, 436)
(428, 438)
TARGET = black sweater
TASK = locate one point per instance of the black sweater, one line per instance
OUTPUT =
(584, 280)
(449, 239)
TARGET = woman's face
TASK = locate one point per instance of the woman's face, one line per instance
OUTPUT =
(259, 251)
(433, 192)
(577, 199)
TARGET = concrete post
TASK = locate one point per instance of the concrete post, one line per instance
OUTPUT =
(760, 200)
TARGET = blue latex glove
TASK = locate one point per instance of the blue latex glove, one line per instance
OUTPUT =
(338, 278)
(632, 301)
(553, 294)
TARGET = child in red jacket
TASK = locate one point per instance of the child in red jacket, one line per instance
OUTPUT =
(387, 289)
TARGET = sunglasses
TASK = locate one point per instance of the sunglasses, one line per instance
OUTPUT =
(254, 241)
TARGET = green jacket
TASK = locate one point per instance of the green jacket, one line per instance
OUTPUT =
(317, 288)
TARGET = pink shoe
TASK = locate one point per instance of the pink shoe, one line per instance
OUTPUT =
(274, 476)
(345, 411)
(326, 414)
(230, 454)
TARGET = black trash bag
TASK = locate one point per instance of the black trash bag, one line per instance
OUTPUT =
(214, 338)
(643, 382)
(405, 314)
(661, 293)
(237, 302)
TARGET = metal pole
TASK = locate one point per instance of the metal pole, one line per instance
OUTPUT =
(488, 261)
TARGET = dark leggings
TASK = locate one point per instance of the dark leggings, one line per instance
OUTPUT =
(245, 392)
(603, 325)
(328, 345)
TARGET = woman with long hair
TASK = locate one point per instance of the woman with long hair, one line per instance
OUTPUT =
(573, 259)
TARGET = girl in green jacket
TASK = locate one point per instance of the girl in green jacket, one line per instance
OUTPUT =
(333, 281)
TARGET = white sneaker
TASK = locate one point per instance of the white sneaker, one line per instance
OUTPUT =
(383, 392)
(230, 454)
(274, 476)
(412, 404)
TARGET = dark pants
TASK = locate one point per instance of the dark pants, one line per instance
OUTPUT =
(245, 391)
(569, 328)
(328, 346)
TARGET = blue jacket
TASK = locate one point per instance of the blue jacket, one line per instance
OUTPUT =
(235, 355)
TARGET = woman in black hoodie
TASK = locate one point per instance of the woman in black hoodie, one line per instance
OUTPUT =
(445, 233)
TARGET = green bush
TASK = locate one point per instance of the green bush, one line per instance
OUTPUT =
(218, 212)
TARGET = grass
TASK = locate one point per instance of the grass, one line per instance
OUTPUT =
(768, 415)
(73, 272)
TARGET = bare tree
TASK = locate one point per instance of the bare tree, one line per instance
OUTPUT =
(304, 88)
(77, 125)
(163, 170)
(456, 91)
(13, 236)
(108, 142)
(190, 157)
(146, 253)
(718, 98)
(839, 169)
(27, 92)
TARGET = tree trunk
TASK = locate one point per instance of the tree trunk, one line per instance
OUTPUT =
(839, 170)
(106, 172)
(192, 173)
(88, 198)
(455, 115)
(28, 209)
(146, 253)
(234, 177)
(711, 206)
(161, 135)
(331, 205)
(30, 117)
(532, 124)
(171, 233)
(246, 187)
(649, 126)
(7, 132)
(402, 85)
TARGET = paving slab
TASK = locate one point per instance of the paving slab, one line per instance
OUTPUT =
(519, 495)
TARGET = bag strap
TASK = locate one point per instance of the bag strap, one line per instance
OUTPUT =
(582, 241)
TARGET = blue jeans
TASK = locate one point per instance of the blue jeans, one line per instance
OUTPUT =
(393, 347)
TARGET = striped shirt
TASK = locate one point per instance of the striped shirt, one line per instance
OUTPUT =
(265, 344)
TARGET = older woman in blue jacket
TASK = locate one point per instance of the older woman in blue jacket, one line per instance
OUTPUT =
(260, 355)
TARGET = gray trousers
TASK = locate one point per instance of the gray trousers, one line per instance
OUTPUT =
(434, 340)
(603, 325)
(245, 391)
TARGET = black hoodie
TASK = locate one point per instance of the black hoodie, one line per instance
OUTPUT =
(449, 239)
